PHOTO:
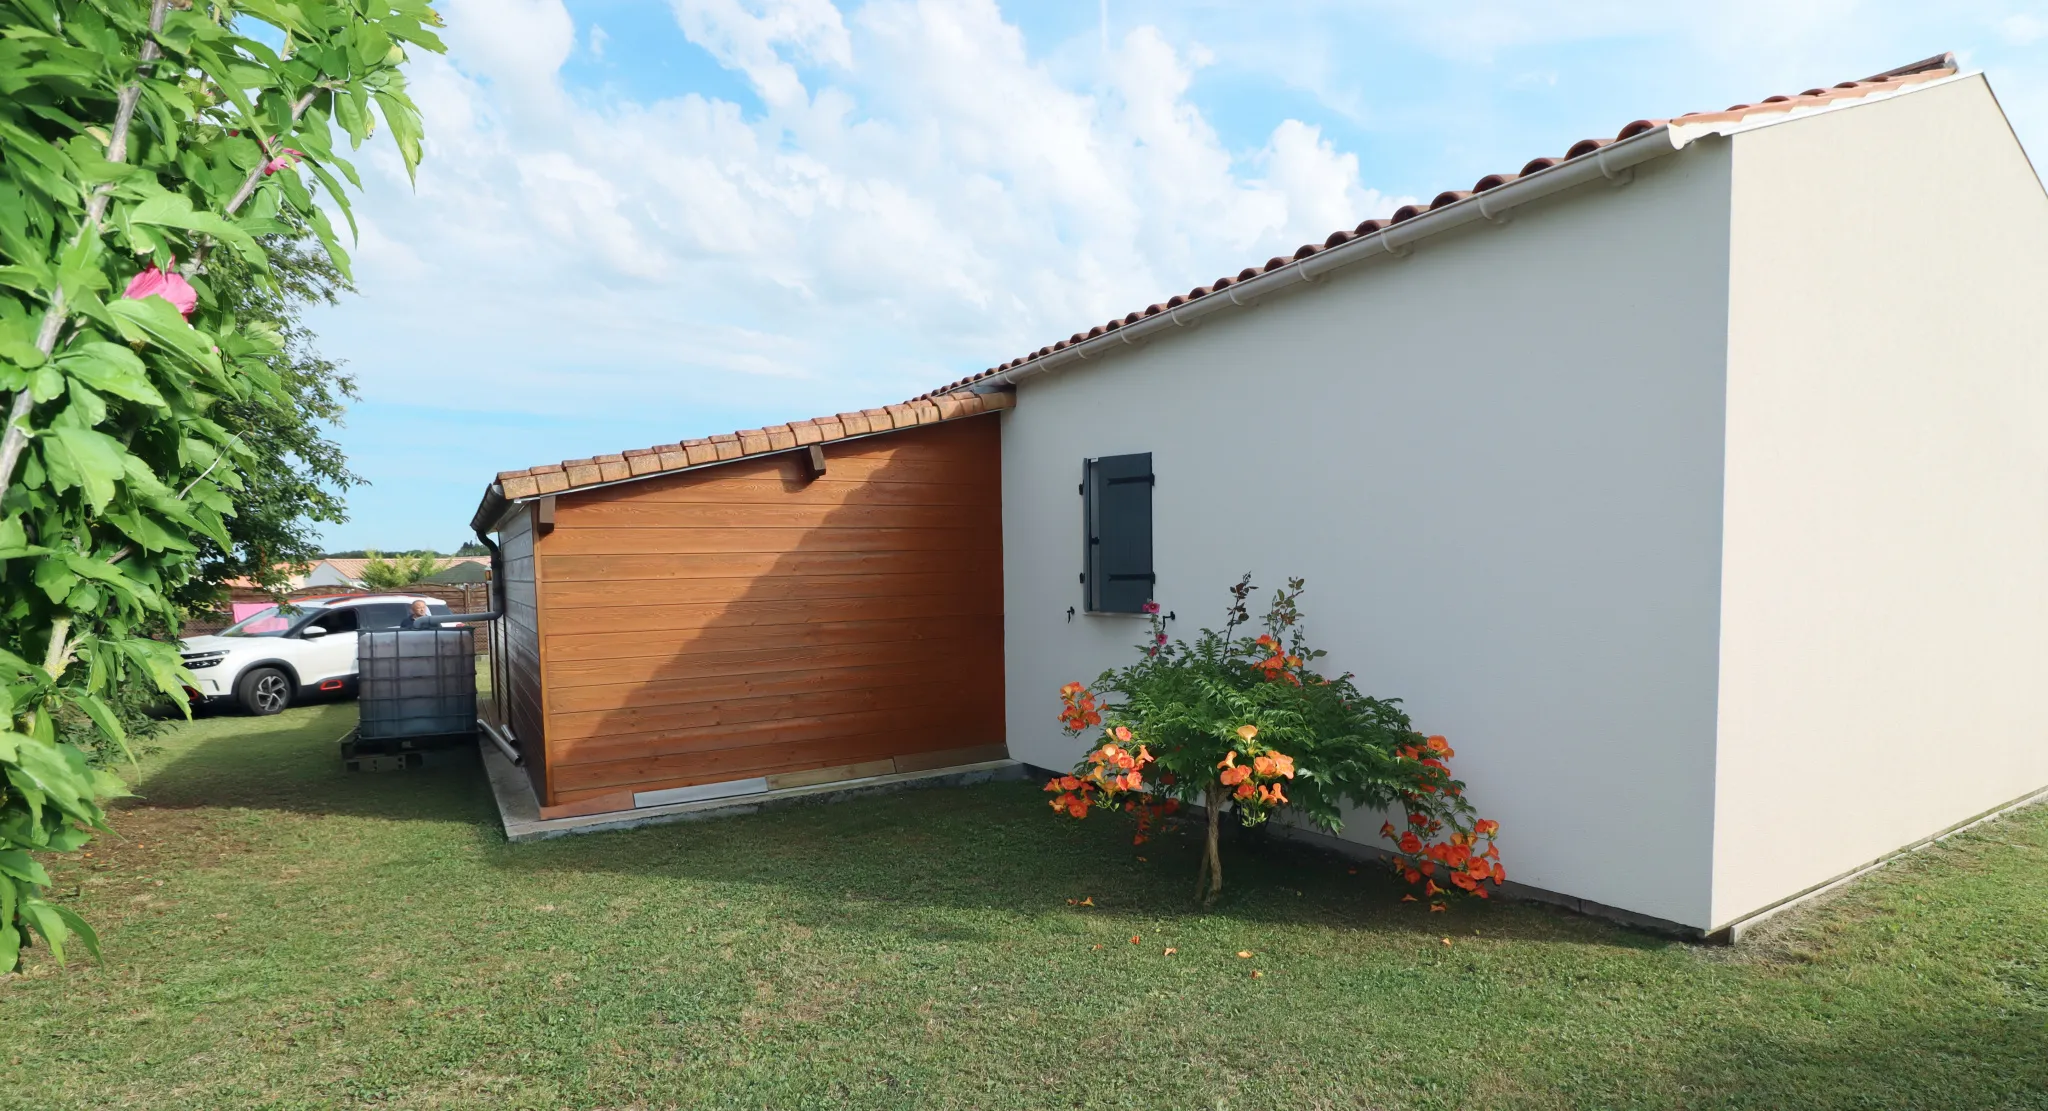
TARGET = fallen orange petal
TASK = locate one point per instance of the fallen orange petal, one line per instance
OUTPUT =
(1434, 907)
(1134, 939)
(1256, 974)
(1447, 941)
(1169, 951)
(1244, 954)
(1089, 901)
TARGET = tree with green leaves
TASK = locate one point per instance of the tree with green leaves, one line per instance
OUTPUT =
(150, 150)
(399, 571)
(300, 476)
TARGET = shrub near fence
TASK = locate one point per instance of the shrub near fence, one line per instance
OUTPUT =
(461, 597)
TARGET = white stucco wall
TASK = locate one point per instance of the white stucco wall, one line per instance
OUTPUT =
(1498, 463)
(1884, 654)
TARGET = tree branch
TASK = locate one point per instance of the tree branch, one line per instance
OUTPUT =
(16, 437)
(249, 183)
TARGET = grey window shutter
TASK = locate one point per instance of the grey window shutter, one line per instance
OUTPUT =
(1118, 494)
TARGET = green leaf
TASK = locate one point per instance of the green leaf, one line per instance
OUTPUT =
(86, 459)
(147, 534)
(161, 663)
(78, 926)
(20, 865)
(45, 384)
(404, 121)
(174, 210)
(153, 319)
(55, 578)
(103, 716)
(351, 111)
(112, 368)
(44, 918)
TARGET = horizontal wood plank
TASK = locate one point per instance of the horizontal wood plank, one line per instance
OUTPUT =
(739, 722)
(982, 600)
(660, 541)
(603, 658)
(790, 513)
(654, 773)
(650, 571)
(604, 593)
(884, 666)
(786, 485)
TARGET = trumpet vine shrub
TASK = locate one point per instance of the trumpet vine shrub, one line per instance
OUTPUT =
(139, 138)
(1245, 723)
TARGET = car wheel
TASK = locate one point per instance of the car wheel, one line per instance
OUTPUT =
(264, 691)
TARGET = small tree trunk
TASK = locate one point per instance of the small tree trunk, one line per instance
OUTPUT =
(1212, 859)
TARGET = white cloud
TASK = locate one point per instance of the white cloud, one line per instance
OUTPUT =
(2023, 28)
(916, 196)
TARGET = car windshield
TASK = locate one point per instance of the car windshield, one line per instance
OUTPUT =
(270, 621)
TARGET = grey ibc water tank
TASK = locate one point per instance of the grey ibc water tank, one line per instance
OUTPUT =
(416, 684)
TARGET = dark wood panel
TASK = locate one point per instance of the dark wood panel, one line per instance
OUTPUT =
(587, 658)
(659, 541)
(524, 697)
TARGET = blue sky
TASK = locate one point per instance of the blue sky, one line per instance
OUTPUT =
(641, 221)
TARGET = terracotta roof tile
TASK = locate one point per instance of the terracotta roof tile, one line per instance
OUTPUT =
(519, 486)
(1928, 69)
(642, 461)
(553, 482)
(753, 441)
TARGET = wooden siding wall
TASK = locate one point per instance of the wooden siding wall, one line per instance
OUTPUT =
(519, 637)
(744, 621)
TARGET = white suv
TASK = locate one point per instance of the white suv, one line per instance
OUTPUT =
(274, 657)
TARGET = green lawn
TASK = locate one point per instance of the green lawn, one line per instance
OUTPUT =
(282, 934)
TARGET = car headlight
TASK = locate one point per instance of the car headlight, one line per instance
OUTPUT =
(197, 660)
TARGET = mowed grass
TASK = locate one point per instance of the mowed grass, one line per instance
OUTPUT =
(282, 934)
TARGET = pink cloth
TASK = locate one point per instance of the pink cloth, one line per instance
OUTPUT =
(244, 610)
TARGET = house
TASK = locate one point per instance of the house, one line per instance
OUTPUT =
(1694, 482)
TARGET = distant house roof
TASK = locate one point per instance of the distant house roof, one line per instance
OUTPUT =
(466, 569)
(351, 567)
(348, 568)
(989, 390)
